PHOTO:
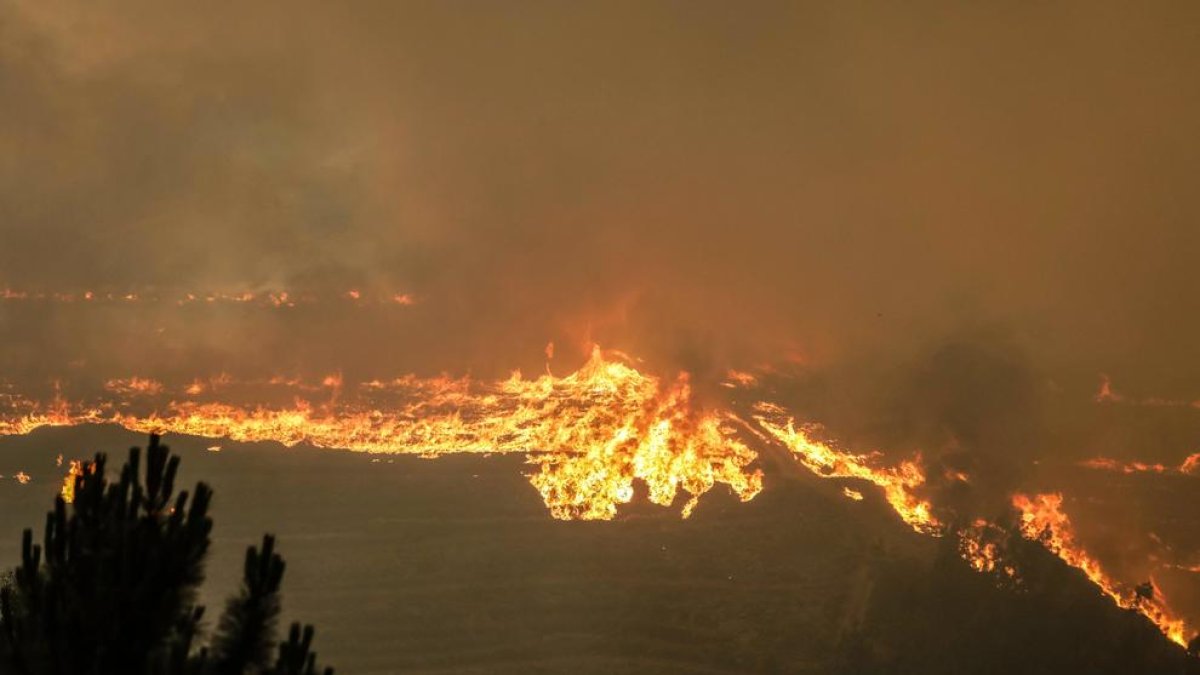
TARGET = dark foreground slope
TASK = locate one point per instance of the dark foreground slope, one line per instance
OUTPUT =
(942, 618)
(453, 566)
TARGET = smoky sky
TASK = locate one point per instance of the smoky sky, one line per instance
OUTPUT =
(945, 220)
(698, 183)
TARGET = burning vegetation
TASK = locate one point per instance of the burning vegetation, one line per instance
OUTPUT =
(593, 439)
(589, 434)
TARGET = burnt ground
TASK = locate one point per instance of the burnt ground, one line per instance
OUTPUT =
(453, 566)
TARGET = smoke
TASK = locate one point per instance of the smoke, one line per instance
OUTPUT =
(704, 187)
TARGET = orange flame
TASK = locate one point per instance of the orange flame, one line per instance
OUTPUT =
(1190, 465)
(736, 379)
(1043, 520)
(1106, 394)
(134, 385)
(980, 545)
(68, 485)
(590, 434)
(900, 483)
(593, 438)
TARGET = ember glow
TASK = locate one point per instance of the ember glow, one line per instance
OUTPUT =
(981, 546)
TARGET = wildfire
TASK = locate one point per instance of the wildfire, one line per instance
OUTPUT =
(590, 434)
(980, 545)
(276, 298)
(1106, 394)
(900, 483)
(735, 379)
(134, 385)
(1190, 465)
(1043, 520)
(68, 485)
(592, 439)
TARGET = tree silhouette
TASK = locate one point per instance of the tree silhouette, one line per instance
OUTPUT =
(112, 589)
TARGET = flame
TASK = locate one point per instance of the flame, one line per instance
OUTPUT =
(1190, 465)
(956, 475)
(134, 385)
(1043, 520)
(982, 556)
(275, 298)
(1106, 394)
(590, 434)
(980, 545)
(22, 477)
(1109, 464)
(900, 483)
(736, 379)
(68, 485)
(592, 440)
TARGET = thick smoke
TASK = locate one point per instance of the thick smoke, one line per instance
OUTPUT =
(699, 185)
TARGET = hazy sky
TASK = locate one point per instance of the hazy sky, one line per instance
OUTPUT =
(704, 182)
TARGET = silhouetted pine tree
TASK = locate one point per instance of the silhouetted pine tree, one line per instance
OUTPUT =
(245, 634)
(113, 587)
